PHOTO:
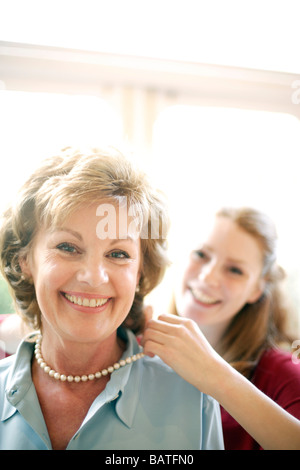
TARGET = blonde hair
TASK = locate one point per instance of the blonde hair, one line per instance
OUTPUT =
(59, 186)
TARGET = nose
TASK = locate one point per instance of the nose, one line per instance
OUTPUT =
(210, 274)
(93, 272)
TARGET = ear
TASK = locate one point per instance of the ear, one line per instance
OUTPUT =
(25, 267)
(257, 292)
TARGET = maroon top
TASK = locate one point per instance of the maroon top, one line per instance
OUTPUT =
(3, 353)
(276, 375)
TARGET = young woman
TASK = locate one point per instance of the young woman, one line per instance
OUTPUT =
(78, 266)
(227, 338)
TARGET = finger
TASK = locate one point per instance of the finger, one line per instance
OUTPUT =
(152, 349)
(170, 318)
(148, 312)
(162, 326)
(171, 324)
(182, 323)
(157, 336)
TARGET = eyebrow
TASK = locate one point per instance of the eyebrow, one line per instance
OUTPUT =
(230, 260)
(72, 232)
(238, 261)
(79, 237)
(128, 238)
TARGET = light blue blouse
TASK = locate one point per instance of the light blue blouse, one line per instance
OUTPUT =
(145, 406)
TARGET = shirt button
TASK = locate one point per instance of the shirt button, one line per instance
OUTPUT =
(12, 392)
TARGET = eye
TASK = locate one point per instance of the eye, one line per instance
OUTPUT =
(235, 270)
(199, 254)
(119, 254)
(67, 247)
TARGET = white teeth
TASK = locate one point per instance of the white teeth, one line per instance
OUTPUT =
(203, 297)
(86, 302)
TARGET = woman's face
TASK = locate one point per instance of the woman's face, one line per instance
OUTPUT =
(222, 275)
(85, 285)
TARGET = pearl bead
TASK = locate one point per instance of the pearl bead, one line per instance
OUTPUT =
(84, 378)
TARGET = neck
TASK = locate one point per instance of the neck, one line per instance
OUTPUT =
(78, 358)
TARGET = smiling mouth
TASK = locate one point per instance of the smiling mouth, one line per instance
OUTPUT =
(203, 298)
(85, 302)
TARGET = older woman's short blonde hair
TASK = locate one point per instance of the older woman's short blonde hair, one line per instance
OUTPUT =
(57, 188)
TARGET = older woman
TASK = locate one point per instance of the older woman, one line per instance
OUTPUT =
(80, 249)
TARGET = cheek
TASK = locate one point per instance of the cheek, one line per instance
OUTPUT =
(234, 290)
(50, 277)
(126, 281)
(237, 293)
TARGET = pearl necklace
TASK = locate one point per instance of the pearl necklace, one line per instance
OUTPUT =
(78, 378)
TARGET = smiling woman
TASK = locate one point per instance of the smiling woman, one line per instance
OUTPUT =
(86, 372)
(72, 269)
(49, 195)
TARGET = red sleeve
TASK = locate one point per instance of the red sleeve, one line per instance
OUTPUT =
(278, 376)
(3, 353)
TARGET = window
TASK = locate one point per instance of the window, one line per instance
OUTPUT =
(34, 125)
(206, 158)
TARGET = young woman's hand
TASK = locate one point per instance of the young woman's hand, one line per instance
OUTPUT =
(180, 344)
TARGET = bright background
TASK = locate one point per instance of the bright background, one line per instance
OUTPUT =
(202, 156)
(260, 34)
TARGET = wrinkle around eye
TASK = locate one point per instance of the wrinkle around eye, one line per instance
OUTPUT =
(66, 247)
